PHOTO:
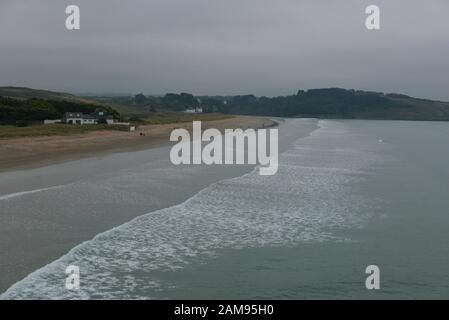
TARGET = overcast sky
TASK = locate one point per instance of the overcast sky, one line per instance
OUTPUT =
(265, 47)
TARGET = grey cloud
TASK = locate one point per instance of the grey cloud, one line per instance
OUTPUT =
(266, 47)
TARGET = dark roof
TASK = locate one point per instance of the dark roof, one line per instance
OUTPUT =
(73, 115)
(88, 116)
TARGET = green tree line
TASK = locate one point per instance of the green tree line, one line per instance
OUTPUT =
(36, 109)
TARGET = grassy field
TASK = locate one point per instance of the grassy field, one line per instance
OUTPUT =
(177, 117)
(7, 132)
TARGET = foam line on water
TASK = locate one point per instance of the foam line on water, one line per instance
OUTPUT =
(24, 193)
(311, 195)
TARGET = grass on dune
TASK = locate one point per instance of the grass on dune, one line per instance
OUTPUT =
(50, 130)
(177, 117)
(36, 130)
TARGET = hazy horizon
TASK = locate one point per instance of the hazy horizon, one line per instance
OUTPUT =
(121, 94)
(226, 48)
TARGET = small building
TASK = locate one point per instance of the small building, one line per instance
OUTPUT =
(196, 110)
(125, 126)
(98, 116)
(52, 121)
(72, 118)
(101, 115)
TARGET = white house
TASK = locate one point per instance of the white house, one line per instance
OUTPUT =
(80, 118)
(196, 110)
(72, 118)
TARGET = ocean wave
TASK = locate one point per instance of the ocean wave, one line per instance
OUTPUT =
(310, 197)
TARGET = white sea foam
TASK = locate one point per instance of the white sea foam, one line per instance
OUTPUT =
(23, 193)
(311, 196)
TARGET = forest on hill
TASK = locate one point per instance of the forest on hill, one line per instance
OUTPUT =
(316, 103)
(340, 103)
(21, 111)
(24, 104)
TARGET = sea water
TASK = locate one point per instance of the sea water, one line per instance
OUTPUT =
(352, 194)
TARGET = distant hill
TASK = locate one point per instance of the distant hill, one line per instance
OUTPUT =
(30, 104)
(23, 105)
(22, 92)
(341, 103)
(315, 103)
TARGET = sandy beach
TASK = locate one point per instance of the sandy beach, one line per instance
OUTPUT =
(32, 152)
(57, 192)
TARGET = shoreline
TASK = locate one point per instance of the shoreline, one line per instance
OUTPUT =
(45, 222)
(54, 208)
(35, 152)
